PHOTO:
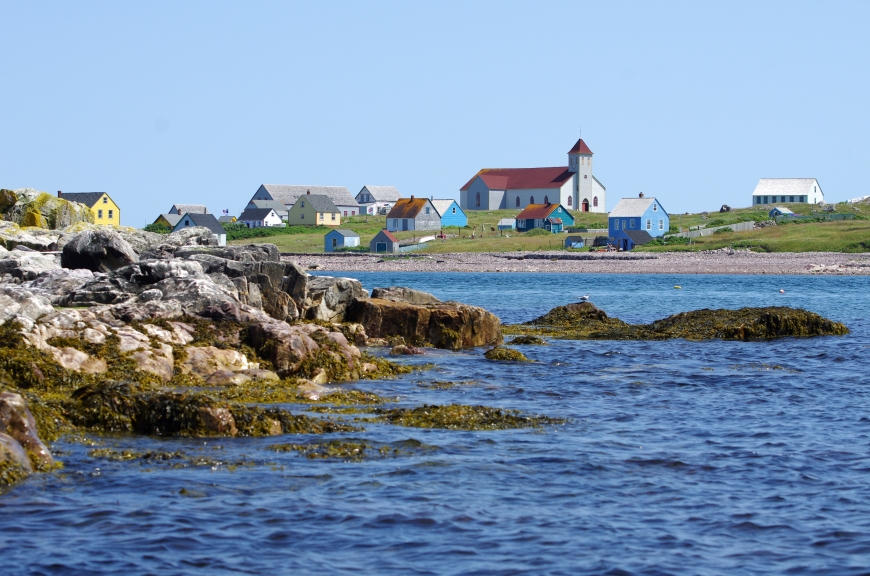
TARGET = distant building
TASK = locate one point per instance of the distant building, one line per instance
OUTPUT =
(384, 241)
(314, 210)
(260, 218)
(188, 209)
(373, 200)
(575, 242)
(550, 217)
(103, 208)
(413, 214)
(632, 215)
(226, 219)
(450, 212)
(168, 220)
(335, 239)
(780, 211)
(507, 224)
(782, 190)
(206, 221)
(573, 186)
(288, 194)
(279, 207)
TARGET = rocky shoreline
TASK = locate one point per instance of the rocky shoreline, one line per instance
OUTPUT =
(708, 262)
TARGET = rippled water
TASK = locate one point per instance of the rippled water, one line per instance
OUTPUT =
(679, 458)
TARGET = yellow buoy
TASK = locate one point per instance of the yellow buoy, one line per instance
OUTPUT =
(677, 287)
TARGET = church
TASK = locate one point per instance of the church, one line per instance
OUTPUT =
(572, 186)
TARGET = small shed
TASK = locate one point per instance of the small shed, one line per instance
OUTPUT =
(507, 224)
(450, 212)
(335, 239)
(780, 211)
(574, 242)
(628, 239)
(384, 241)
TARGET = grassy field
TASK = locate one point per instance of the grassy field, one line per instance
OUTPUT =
(481, 234)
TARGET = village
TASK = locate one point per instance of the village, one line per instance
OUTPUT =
(518, 206)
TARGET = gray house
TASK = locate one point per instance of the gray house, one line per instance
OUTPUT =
(288, 194)
(384, 242)
(413, 214)
(206, 221)
(188, 209)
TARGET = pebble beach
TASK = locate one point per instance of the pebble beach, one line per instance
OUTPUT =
(709, 262)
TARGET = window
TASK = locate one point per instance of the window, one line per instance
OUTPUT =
(302, 216)
(105, 200)
(655, 207)
(396, 223)
(570, 200)
(595, 201)
(630, 224)
(518, 201)
(187, 222)
(791, 199)
(333, 215)
(111, 214)
(661, 224)
(321, 215)
(100, 213)
(345, 213)
(303, 203)
(546, 199)
(478, 199)
(649, 224)
(335, 242)
(353, 212)
(531, 199)
(427, 211)
(616, 224)
(454, 210)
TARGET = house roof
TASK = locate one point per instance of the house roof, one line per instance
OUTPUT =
(204, 220)
(631, 207)
(343, 232)
(537, 211)
(288, 194)
(580, 148)
(407, 207)
(783, 186)
(320, 203)
(782, 210)
(86, 198)
(442, 206)
(522, 178)
(171, 218)
(507, 222)
(388, 234)
(255, 214)
(638, 236)
(227, 219)
(575, 239)
(554, 220)
(275, 205)
(190, 208)
(383, 193)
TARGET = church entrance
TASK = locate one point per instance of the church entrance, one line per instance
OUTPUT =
(585, 206)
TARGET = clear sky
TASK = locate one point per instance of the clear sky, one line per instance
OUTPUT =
(201, 102)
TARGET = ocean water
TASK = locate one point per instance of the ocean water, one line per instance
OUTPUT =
(678, 458)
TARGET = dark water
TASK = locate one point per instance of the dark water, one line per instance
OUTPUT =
(680, 458)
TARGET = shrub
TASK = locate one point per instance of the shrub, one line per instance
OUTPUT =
(237, 231)
(157, 228)
(537, 232)
(722, 231)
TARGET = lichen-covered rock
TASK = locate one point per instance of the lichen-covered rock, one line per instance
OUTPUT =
(12, 235)
(56, 283)
(43, 210)
(448, 325)
(306, 350)
(402, 294)
(203, 361)
(98, 251)
(505, 354)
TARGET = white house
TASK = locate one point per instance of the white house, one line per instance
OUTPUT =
(206, 221)
(573, 186)
(781, 190)
(287, 195)
(275, 205)
(260, 218)
(376, 199)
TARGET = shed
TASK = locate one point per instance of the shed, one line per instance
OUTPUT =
(628, 239)
(507, 224)
(384, 241)
(575, 242)
(205, 221)
(780, 211)
(338, 238)
(450, 212)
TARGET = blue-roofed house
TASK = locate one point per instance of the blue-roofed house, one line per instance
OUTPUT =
(450, 212)
(633, 215)
(339, 238)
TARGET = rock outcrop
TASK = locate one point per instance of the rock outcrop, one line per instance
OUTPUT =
(33, 208)
(98, 251)
(21, 450)
(402, 294)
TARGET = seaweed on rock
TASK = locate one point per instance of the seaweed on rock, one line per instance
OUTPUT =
(506, 354)
(462, 417)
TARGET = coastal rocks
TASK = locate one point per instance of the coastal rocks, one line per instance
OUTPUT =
(43, 210)
(24, 264)
(505, 354)
(401, 294)
(17, 302)
(306, 350)
(449, 325)
(329, 298)
(98, 251)
(11, 236)
(204, 361)
(21, 450)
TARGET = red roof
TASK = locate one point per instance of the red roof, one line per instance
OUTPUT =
(522, 178)
(537, 211)
(580, 148)
(389, 235)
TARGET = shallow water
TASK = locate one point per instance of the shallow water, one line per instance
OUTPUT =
(679, 458)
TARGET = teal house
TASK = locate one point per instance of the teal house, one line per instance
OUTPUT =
(550, 217)
(450, 212)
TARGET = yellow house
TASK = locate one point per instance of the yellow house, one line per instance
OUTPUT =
(104, 209)
(313, 210)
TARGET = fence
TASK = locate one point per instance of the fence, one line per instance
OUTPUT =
(820, 217)
(411, 247)
(738, 227)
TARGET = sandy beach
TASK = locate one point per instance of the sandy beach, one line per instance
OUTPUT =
(710, 262)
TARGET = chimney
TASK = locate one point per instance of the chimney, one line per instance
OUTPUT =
(641, 195)
(59, 193)
(308, 192)
(412, 196)
(431, 198)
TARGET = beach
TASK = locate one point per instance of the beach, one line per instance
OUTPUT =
(708, 262)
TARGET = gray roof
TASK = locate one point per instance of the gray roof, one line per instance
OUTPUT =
(171, 218)
(383, 193)
(275, 205)
(204, 220)
(786, 186)
(321, 203)
(189, 209)
(638, 236)
(86, 198)
(255, 214)
(782, 210)
(289, 194)
(441, 206)
(631, 207)
(226, 219)
(507, 222)
(345, 233)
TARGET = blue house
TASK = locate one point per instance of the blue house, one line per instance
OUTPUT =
(550, 217)
(450, 212)
(633, 215)
(335, 239)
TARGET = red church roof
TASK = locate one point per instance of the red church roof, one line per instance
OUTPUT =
(522, 178)
(580, 148)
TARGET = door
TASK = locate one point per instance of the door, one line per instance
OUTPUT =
(585, 205)
(381, 247)
(404, 224)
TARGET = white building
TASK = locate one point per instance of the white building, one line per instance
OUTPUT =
(573, 186)
(260, 218)
(279, 207)
(377, 199)
(287, 194)
(781, 190)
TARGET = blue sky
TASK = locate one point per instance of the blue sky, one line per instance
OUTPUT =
(201, 102)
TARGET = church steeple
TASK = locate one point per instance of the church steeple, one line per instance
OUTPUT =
(580, 153)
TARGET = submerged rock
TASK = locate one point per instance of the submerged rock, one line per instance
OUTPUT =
(508, 354)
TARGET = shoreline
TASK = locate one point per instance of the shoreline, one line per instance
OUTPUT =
(707, 262)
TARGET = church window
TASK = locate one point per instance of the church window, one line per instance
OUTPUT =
(531, 199)
(478, 199)
(570, 201)
(518, 201)
(595, 201)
